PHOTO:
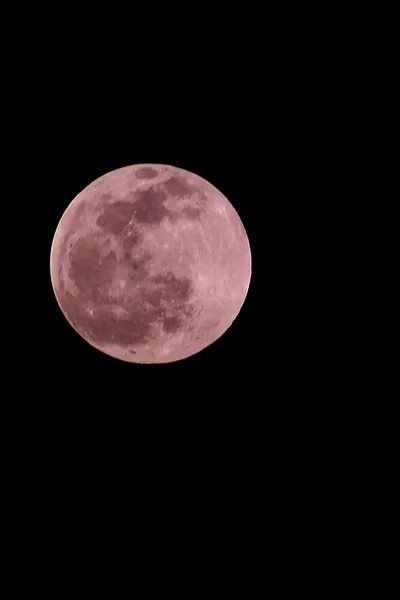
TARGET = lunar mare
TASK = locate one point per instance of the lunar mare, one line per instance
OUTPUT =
(150, 263)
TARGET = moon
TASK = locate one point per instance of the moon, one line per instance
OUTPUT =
(150, 263)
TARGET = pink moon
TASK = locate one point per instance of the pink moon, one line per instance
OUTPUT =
(150, 264)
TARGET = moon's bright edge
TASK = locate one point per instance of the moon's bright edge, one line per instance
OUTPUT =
(150, 263)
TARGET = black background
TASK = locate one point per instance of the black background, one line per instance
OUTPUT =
(239, 119)
(247, 113)
(235, 110)
(241, 132)
(239, 445)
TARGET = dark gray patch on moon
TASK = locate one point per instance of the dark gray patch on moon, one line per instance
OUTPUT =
(191, 213)
(173, 288)
(146, 173)
(131, 239)
(153, 297)
(115, 217)
(134, 328)
(172, 324)
(89, 270)
(106, 196)
(176, 186)
(149, 206)
(137, 270)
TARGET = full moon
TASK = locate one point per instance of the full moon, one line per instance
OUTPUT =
(150, 264)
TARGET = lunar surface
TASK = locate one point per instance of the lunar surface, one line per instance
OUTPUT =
(150, 263)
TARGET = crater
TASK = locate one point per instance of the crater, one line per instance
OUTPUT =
(115, 217)
(137, 271)
(191, 213)
(177, 186)
(146, 173)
